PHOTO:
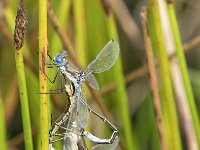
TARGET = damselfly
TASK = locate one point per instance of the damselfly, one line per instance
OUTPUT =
(67, 122)
(74, 133)
(104, 61)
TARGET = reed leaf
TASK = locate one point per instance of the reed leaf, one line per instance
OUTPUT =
(184, 69)
(168, 101)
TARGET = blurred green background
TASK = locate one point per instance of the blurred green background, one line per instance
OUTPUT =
(124, 90)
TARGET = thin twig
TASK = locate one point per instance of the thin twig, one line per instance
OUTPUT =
(153, 82)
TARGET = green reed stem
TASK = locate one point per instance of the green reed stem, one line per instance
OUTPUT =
(23, 99)
(3, 143)
(22, 84)
(44, 122)
(168, 102)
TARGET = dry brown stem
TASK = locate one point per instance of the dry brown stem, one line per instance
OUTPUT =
(153, 82)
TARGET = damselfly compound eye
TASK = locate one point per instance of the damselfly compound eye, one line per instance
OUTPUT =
(58, 60)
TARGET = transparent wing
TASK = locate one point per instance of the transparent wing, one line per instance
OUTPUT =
(69, 144)
(112, 146)
(83, 112)
(62, 118)
(73, 67)
(106, 58)
(91, 80)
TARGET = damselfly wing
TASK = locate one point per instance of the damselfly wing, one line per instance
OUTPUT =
(105, 59)
(83, 112)
(91, 80)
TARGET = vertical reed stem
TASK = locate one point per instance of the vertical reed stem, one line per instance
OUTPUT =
(3, 145)
(184, 70)
(44, 144)
(23, 99)
(168, 102)
(20, 26)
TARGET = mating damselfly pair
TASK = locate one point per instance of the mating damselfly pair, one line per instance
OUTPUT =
(75, 118)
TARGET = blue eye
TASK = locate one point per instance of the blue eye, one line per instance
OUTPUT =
(58, 60)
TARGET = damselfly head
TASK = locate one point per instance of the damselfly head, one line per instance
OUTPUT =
(59, 59)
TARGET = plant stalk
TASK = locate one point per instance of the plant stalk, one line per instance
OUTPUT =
(3, 143)
(44, 122)
(184, 70)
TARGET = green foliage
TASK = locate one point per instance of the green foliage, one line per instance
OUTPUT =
(184, 70)
(89, 27)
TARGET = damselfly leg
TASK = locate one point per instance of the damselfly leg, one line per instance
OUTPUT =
(56, 91)
(95, 139)
(115, 130)
(111, 146)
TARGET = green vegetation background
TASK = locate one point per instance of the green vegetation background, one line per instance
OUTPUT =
(90, 27)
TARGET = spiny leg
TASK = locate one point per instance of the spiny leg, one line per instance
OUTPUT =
(57, 125)
(54, 79)
(49, 56)
(61, 89)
